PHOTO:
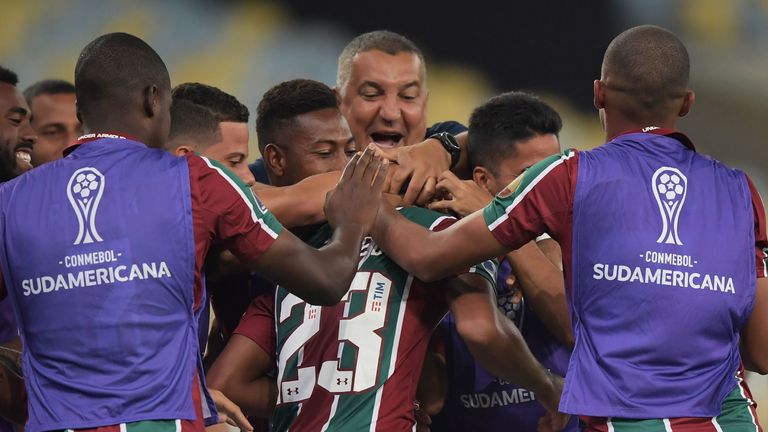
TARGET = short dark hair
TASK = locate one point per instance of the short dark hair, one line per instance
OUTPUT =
(8, 76)
(283, 102)
(112, 68)
(495, 127)
(194, 124)
(46, 87)
(380, 40)
(648, 63)
(225, 106)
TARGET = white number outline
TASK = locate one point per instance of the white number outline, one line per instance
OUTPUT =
(361, 331)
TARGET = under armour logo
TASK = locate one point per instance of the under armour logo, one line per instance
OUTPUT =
(340, 380)
(293, 390)
(84, 191)
(670, 187)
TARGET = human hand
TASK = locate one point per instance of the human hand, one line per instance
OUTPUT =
(553, 420)
(229, 412)
(418, 164)
(423, 419)
(355, 200)
(462, 197)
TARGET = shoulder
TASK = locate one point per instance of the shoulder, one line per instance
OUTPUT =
(425, 217)
(452, 127)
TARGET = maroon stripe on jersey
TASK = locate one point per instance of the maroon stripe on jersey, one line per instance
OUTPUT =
(748, 394)
(692, 424)
(425, 307)
(594, 424)
(198, 425)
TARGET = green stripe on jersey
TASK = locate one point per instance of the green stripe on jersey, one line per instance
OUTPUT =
(735, 416)
(259, 210)
(497, 209)
(152, 426)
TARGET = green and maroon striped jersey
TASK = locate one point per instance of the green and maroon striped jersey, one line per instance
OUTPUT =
(354, 366)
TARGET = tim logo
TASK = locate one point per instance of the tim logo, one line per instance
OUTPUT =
(669, 187)
(84, 191)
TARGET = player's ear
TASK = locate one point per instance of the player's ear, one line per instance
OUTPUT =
(688, 100)
(182, 150)
(598, 90)
(151, 100)
(275, 159)
(484, 179)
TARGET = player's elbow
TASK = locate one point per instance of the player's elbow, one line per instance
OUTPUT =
(478, 332)
(757, 365)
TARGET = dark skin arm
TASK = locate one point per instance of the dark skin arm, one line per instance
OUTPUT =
(497, 344)
(754, 335)
(299, 204)
(322, 276)
(537, 268)
(240, 372)
(431, 256)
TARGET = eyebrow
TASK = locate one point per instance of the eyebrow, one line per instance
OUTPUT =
(411, 84)
(19, 110)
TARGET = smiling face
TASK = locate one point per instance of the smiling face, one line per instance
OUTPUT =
(385, 99)
(55, 121)
(315, 142)
(16, 136)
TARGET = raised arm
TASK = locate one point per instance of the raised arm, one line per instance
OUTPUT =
(536, 202)
(299, 204)
(322, 276)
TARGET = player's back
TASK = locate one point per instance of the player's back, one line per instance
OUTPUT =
(663, 279)
(97, 255)
(355, 365)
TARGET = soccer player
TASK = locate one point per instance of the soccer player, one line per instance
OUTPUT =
(232, 149)
(17, 141)
(663, 250)
(507, 135)
(107, 287)
(354, 366)
(54, 118)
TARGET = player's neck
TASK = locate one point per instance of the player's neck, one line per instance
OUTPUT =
(122, 127)
(619, 126)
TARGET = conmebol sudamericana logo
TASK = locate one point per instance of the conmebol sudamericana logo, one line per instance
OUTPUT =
(669, 187)
(84, 191)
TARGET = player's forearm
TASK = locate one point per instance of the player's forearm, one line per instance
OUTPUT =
(256, 398)
(542, 285)
(408, 244)
(754, 335)
(462, 168)
(302, 203)
(335, 265)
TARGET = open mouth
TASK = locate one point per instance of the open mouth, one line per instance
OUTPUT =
(387, 139)
(23, 158)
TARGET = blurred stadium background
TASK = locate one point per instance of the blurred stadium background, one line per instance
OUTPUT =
(473, 49)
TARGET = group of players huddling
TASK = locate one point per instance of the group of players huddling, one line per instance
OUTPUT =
(369, 272)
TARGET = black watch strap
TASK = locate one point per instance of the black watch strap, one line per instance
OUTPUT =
(451, 145)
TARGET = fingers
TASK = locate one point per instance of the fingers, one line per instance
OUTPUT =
(442, 205)
(381, 177)
(399, 178)
(389, 153)
(427, 192)
(349, 170)
(449, 182)
(229, 412)
(364, 164)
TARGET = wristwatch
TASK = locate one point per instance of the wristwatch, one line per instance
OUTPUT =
(450, 145)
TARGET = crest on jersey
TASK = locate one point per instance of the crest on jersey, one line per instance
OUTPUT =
(84, 190)
(670, 187)
(512, 187)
